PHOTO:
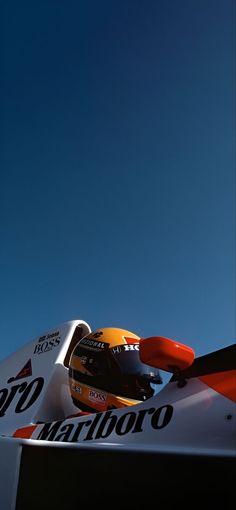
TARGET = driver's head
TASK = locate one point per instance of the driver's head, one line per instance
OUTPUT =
(105, 371)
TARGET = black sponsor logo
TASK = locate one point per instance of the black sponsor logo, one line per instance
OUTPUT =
(92, 343)
(21, 396)
(102, 425)
(42, 338)
(50, 335)
(125, 348)
(47, 343)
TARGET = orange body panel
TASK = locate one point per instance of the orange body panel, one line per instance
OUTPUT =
(166, 354)
(222, 382)
(25, 432)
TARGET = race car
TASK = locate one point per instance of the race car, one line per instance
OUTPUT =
(178, 446)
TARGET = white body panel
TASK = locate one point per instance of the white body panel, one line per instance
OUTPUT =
(43, 395)
(193, 419)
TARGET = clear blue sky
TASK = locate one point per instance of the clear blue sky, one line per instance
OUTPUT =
(117, 196)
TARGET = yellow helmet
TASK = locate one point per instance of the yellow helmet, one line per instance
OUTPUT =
(105, 371)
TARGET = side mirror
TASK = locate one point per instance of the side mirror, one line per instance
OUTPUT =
(166, 354)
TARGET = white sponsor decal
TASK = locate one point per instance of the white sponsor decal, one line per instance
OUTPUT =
(76, 388)
(96, 396)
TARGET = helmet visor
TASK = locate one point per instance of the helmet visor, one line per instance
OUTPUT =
(129, 363)
(135, 377)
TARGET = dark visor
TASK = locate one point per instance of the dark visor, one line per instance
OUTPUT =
(128, 361)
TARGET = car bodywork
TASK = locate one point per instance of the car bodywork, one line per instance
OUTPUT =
(179, 443)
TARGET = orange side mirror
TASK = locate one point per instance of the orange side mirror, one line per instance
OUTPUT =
(166, 354)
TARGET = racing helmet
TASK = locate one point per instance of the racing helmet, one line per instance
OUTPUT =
(105, 371)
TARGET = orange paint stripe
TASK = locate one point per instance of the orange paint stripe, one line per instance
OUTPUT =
(222, 382)
(25, 432)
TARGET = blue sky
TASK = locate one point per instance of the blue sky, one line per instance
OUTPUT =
(117, 196)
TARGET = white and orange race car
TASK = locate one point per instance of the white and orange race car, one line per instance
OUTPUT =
(177, 447)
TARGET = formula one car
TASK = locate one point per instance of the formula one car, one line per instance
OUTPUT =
(176, 447)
